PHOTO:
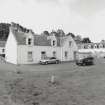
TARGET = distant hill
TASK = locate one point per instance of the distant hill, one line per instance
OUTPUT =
(4, 30)
(18, 27)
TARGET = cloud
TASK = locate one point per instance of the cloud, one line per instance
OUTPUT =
(87, 8)
(70, 15)
(46, 1)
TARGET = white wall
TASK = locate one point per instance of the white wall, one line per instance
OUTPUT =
(11, 49)
(23, 50)
(70, 49)
(99, 52)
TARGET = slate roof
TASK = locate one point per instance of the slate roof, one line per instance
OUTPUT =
(39, 40)
(2, 43)
(20, 37)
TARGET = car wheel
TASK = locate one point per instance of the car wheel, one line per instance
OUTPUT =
(83, 64)
(79, 64)
(76, 63)
(46, 63)
(57, 62)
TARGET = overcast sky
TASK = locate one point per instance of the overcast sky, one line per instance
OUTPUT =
(82, 17)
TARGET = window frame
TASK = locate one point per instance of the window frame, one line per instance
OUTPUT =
(54, 43)
(29, 41)
(54, 53)
(30, 54)
(43, 55)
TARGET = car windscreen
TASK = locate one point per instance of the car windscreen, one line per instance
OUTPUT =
(52, 58)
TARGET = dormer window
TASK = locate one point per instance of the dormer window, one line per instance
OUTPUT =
(70, 42)
(95, 46)
(29, 41)
(53, 42)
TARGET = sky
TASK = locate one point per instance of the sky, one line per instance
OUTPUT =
(81, 17)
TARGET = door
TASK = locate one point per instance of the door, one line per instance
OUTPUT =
(43, 55)
(75, 54)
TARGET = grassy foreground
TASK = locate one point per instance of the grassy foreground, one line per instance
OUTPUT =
(72, 86)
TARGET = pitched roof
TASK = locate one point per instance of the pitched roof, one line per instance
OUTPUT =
(2, 43)
(39, 40)
(86, 45)
(20, 37)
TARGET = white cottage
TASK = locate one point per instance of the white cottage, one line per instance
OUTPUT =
(28, 48)
(97, 49)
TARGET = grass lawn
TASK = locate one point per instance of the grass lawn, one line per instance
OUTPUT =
(73, 85)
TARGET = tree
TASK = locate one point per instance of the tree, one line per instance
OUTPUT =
(86, 40)
(72, 35)
(78, 37)
(60, 33)
(53, 32)
(46, 33)
(18, 27)
(4, 31)
(102, 41)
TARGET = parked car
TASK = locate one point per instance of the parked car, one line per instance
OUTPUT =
(50, 60)
(85, 61)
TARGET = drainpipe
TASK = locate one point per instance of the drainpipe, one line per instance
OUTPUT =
(61, 50)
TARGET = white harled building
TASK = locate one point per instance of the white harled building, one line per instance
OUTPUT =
(97, 49)
(29, 48)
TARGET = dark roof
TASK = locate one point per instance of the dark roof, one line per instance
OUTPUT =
(20, 37)
(86, 45)
(2, 43)
(39, 40)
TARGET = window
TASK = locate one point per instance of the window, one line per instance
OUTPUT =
(52, 58)
(103, 46)
(85, 47)
(53, 42)
(70, 42)
(3, 50)
(95, 46)
(43, 55)
(91, 46)
(30, 56)
(66, 54)
(54, 54)
(29, 41)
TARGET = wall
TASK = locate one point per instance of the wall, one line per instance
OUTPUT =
(11, 49)
(23, 49)
(96, 52)
(70, 49)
